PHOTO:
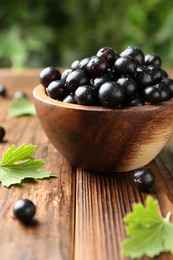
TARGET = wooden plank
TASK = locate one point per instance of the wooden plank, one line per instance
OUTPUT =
(103, 200)
(50, 237)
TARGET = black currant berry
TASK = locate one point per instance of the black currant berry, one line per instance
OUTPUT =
(24, 210)
(70, 98)
(49, 74)
(112, 74)
(2, 133)
(125, 66)
(56, 89)
(65, 73)
(3, 91)
(164, 92)
(143, 77)
(111, 94)
(108, 54)
(129, 86)
(97, 66)
(151, 94)
(75, 79)
(83, 63)
(135, 102)
(169, 85)
(86, 95)
(99, 81)
(75, 65)
(143, 178)
(152, 59)
(134, 53)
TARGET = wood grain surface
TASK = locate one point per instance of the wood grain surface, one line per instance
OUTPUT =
(79, 214)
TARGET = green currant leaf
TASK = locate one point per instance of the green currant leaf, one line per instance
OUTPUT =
(149, 234)
(21, 106)
(18, 164)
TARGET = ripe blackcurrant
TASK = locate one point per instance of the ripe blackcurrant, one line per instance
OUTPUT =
(143, 178)
(24, 210)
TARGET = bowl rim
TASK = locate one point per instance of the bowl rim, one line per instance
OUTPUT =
(39, 93)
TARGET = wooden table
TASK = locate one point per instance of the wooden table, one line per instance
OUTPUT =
(79, 214)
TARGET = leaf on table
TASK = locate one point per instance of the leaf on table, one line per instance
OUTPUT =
(18, 164)
(21, 106)
(148, 233)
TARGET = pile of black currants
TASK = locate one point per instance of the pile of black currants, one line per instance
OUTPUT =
(110, 79)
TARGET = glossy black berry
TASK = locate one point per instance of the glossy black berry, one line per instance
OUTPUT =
(169, 84)
(2, 133)
(49, 74)
(152, 59)
(75, 65)
(129, 86)
(134, 53)
(164, 92)
(24, 210)
(75, 79)
(125, 66)
(108, 54)
(111, 94)
(151, 94)
(143, 178)
(65, 73)
(112, 74)
(144, 77)
(99, 81)
(157, 73)
(86, 95)
(135, 102)
(83, 63)
(97, 66)
(56, 89)
(3, 91)
(70, 98)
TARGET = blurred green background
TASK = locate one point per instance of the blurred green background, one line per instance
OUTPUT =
(56, 32)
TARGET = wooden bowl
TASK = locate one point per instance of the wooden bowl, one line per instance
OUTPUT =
(102, 139)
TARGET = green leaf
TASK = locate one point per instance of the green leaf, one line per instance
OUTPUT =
(21, 106)
(18, 164)
(149, 234)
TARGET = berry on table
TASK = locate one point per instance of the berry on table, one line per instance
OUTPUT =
(24, 210)
(143, 178)
(3, 91)
(2, 133)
